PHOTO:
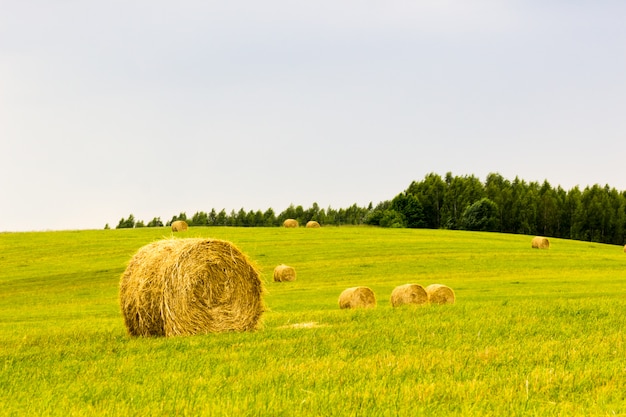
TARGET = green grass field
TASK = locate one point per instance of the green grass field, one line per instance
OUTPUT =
(533, 332)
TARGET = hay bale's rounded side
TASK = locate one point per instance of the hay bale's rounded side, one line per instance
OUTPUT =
(284, 273)
(291, 223)
(312, 224)
(189, 286)
(440, 294)
(624, 248)
(357, 297)
(179, 226)
(540, 242)
(408, 294)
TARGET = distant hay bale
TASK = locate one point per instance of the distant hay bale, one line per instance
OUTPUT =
(290, 223)
(357, 297)
(540, 242)
(179, 226)
(284, 273)
(624, 248)
(440, 294)
(188, 286)
(408, 294)
(312, 224)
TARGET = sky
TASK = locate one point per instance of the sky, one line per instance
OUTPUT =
(152, 108)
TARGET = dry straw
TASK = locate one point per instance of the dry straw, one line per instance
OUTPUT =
(540, 242)
(284, 273)
(357, 297)
(312, 224)
(179, 226)
(408, 294)
(290, 223)
(189, 286)
(440, 294)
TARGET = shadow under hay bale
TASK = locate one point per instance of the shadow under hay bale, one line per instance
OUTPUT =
(284, 273)
(540, 242)
(179, 226)
(312, 224)
(189, 286)
(357, 297)
(291, 223)
(408, 294)
(440, 294)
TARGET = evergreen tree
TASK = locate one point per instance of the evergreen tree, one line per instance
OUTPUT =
(615, 233)
(411, 209)
(430, 193)
(212, 218)
(375, 215)
(312, 213)
(222, 218)
(562, 226)
(547, 215)
(181, 216)
(126, 223)
(239, 219)
(498, 190)
(269, 218)
(461, 192)
(331, 216)
(200, 218)
(155, 222)
(574, 214)
(321, 216)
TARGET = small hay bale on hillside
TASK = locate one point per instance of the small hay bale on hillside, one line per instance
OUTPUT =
(291, 223)
(284, 273)
(540, 242)
(408, 294)
(179, 226)
(357, 297)
(624, 248)
(312, 224)
(440, 294)
(188, 286)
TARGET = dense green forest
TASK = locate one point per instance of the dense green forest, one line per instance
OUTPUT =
(596, 213)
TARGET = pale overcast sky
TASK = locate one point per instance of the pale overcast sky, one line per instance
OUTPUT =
(109, 108)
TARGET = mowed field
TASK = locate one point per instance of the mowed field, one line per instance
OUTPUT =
(532, 332)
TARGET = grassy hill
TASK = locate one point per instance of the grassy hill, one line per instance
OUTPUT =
(533, 332)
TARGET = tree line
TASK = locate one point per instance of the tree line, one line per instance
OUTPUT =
(353, 215)
(595, 213)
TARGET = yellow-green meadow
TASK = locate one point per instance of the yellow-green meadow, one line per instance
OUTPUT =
(532, 332)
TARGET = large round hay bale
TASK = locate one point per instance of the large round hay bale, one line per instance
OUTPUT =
(179, 226)
(440, 294)
(540, 242)
(408, 294)
(284, 273)
(357, 297)
(312, 224)
(624, 248)
(189, 286)
(290, 223)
